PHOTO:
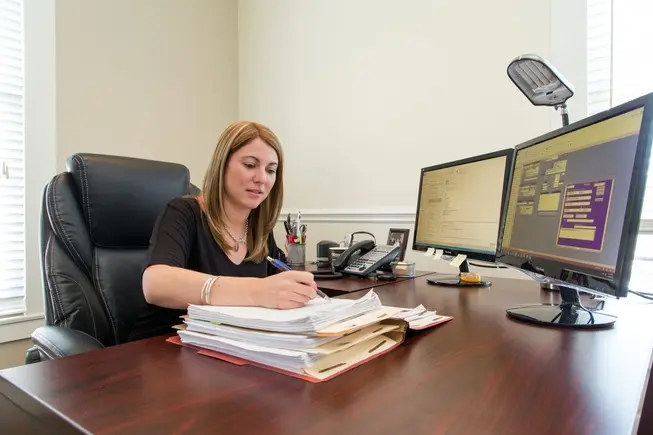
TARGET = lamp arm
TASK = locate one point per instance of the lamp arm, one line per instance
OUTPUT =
(564, 113)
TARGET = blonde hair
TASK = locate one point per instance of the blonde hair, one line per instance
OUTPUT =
(263, 218)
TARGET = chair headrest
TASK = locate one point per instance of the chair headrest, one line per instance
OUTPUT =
(122, 196)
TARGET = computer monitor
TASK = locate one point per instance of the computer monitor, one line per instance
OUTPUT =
(459, 209)
(574, 208)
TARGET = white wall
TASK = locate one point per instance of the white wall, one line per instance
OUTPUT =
(363, 94)
(352, 88)
(569, 54)
(149, 78)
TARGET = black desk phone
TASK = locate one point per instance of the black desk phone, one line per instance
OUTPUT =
(364, 258)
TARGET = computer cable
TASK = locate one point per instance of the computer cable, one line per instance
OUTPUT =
(644, 295)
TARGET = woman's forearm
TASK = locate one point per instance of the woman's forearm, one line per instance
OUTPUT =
(174, 287)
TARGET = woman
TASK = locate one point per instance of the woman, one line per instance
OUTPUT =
(211, 249)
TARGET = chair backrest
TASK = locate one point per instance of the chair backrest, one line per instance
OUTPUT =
(96, 222)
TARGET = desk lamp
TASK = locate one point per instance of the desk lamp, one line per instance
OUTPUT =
(541, 83)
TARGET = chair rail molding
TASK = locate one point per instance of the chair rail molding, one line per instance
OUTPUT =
(327, 215)
(388, 215)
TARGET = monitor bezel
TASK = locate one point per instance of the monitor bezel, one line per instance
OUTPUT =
(508, 153)
(559, 270)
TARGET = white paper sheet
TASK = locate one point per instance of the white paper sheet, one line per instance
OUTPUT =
(315, 315)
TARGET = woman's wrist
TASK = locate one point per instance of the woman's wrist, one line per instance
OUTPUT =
(253, 291)
(207, 293)
(235, 291)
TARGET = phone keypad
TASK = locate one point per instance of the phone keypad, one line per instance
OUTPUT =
(369, 259)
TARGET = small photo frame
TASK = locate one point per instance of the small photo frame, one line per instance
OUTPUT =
(399, 236)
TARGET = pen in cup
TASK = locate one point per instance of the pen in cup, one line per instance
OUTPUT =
(282, 266)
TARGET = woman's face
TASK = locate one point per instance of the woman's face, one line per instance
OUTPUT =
(250, 174)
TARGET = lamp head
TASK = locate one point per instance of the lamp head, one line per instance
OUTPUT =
(539, 81)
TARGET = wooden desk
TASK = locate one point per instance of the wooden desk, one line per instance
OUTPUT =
(481, 373)
(350, 284)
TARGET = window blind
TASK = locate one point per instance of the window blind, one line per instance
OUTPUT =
(12, 159)
(619, 35)
(599, 55)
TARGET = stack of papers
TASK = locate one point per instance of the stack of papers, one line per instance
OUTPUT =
(317, 314)
(316, 342)
(320, 337)
(290, 357)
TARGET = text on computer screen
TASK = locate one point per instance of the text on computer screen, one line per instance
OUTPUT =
(568, 195)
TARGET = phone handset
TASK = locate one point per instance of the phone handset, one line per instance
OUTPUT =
(352, 253)
(349, 238)
(373, 260)
(364, 258)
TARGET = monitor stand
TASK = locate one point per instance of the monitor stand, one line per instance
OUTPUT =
(569, 313)
(454, 281)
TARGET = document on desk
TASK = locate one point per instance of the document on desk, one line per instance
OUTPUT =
(315, 342)
(315, 315)
(264, 338)
(319, 362)
(420, 318)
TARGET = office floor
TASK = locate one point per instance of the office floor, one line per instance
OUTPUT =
(12, 354)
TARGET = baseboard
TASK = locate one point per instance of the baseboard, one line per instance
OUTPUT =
(353, 215)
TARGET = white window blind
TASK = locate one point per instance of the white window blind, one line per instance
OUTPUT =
(619, 68)
(12, 160)
(599, 55)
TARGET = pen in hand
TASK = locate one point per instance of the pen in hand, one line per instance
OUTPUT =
(283, 266)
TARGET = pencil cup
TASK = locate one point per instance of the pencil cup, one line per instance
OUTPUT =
(296, 254)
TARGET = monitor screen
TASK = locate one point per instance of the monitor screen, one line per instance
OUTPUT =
(567, 214)
(459, 205)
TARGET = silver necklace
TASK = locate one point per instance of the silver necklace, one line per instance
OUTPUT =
(238, 241)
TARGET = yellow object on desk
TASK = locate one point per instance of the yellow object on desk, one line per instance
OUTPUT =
(470, 277)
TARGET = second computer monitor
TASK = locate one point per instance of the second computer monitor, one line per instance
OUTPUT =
(574, 209)
(459, 205)
(574, 205)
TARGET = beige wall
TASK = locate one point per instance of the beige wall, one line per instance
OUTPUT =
(361, 93)
(365, 93)
(12, 354)
(147, 78)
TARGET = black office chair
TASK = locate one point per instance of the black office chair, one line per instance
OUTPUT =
(96, 222)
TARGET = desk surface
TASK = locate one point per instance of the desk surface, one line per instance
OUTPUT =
(351, 284)
(480, 373)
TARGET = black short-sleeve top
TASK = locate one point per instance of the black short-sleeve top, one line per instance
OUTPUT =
(182, 238)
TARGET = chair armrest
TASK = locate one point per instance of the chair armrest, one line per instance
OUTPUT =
(57, 342)
(32, 355)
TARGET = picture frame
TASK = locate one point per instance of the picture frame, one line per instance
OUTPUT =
(400, 236)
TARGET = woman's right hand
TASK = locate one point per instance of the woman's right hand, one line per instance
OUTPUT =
(284, 290)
